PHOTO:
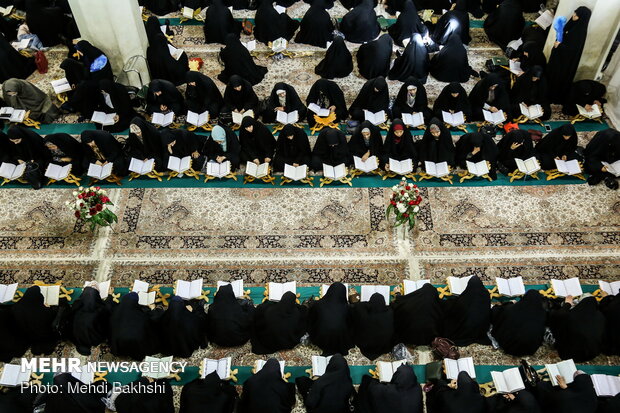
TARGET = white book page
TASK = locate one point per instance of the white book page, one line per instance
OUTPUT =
(503, 286)
(413, 119)
(401, 167)
(479, 169)
(369, 290)
(494, 117)
(545, 19)
(146, 298)
(261, 363)
(458, 285)
(277, 290)
(558, 288)
(567, 369)
(319, 365)
(94, 171)
(467, 364)
(51, 294)
(13, 376)
(251, 45)
(325, 287)
(499, 382)
(7, 292)
(573, 287)
(139, 285)
(516, 286)
(103, 287)
(57, 172)
(295, 173)
(318, 110)
(366, 166)
(188, 12)
(452, 369)
(515, 67)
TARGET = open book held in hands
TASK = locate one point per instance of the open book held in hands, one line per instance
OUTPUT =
(368, 165)
(508, 381)
(61, 85)
(566, 369)
(454, 367)
(334, 172)
(163, 119)
(564, 288)
(277, 290)
(494, 118)
(458, 285)
(218, 170)
(323, 113)
(144, 296)
(413, 119)
(11, 171)
(51, 294)
(238, 117)
(606, 385)
(595, 113)
(287, 118)
(257, 171)
(197, 119)
(141, 167)
(259, 364)
(12, 375)
(453, 119)
(403, 167)
(545, 19)
(7, 292)
(510, 287)
(568, 167)
(438, 170)
(221, 367)
(319, 365)
(174, 52)
(375, 118)
(529, 166)
(189, 289)
(515, 67)
(105, 119)
(611, 288)
(251, 45)
(532, 111)
(296, 173)
(57, 172)
(386, 369)
(237, 287)
(103, 287)
(369, 290)
(100, 172)
(325, 287)
(478, 169)
(411, 286)
(613, 168)
(179, 165)
(12, 115)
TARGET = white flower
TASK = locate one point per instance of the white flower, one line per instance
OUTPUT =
(401, 208)
(416, 209)
(395, 188)
(406, 196)
(75, 193)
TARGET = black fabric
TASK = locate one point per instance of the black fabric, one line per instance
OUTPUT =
(267, 392)
(161, 63)
(35, 322)
(554, 145)
(419, 316)
(525, 149)
(402, 394)
(519, 327)
(420, 103)
(88, 321)
(373, 58)
(467, 317)
(436, 149)
(481, 95)
(374, 96)
(68, 147)
(49, 23)
(329, 325)
(238, 61)
(358, 145)
(181, 143)
(257, 144)
(531, 92)
(67, 400)
(578, 331)
(170, 98)
(532, 55)
(201, 94)
(488, 150)
(399, 148)
(12, 63)
(278, 325)
(161, 7)
(75, 72)
(292, 148)
(150, 400)
(219, 23)
(337, 62)
(229, 321)
(12, 344)
(505, 23)
(146, 144)
(271, 25)
(132, 329)
(582, 93)
(579, 397)
(407, 24)
(292, 103)
(331, 392)
(232, 152)
(316, 28)
(524, 402)
(360, 24)
(373, 326)
(445, 102)
(16, 400)
(453, 22)
(412, 62)
(189, 328)
(326, 93)
(89, 54)
(31, 148)
(564, 59)
(239, 100)
(451, 63)
(604, 147)
(208, 395)
(466, 398)
(122, 105)
(110, 149)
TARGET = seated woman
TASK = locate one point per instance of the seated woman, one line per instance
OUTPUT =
(374, 57)
(331, 392)
(316, 28)
(132, 329)
(454, 22)
(88, 321)
(476, 147)
(578, 329)
(101, 147)
(162, 65)
(223, 146)
(35, 322)
(326, 94)
(69, 400)
(12, 346)
(360, 24)
(604, 147)
(80, 97)
(418, 316)
(188, 320)
(292, 148)
(489, 94)
(210, 394)
(17, 400)
(271, 25)
(518, 402)
(610, 307)
(576, 397)
(144, 142)
(436, 144)
(20, 94)
(266, 392)
(374, 97)
(239, 96)
(28, 146)
(505, 23)
(115, 99)
(515, 144)
(278, 325)
(403, 394)
(411, 98)
(407, 24)
(219, 23)
(229, 321)
(12, 63)
(163, 97)
(283, 98)
(181, 143)
(452, 99)
(531, 89)
(467, 317)
(519, 328)
(48, 22)
(161, 7)
(560, 143)
(337, 62)
(451, 63)
(366, 141)
(399, 145)
(373, 326)
(458, 396)
(584, 93)
(149, 399)
(413, 61)
(238, 62)
(331, 149)
(94, 60)
(201, 94)
(257, 143)
(329, 325)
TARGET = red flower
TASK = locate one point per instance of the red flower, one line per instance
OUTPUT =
(77, 214)
(105, 199)
(408, 187)
(402, 192)
(393, 203)
(99, 207)
(80, 196)
(91, 194)
(411, 203)
(415, 186)
(92, 211)
(81, 204)
(405, 215)
(97, 188)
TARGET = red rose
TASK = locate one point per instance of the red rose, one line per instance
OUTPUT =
(77, 214)
(105, 199)
(419, 199)
(97, 188)
(99, 207)
(408, 187)
(402, 192)
(415, 186)
(81, 204)
(411, 203)
(80, 196)
(92, 211)
(91, 194)
(406, 215)
(393, 203)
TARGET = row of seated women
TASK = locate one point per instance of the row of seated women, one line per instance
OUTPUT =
(581, 330)
(333, 392)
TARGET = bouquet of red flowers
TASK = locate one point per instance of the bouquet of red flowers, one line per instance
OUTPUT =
(91, 205)
(404, 202)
